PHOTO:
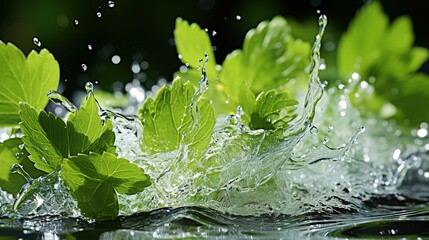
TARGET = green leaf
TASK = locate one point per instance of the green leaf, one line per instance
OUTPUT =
(43, 146)
(12, 152)
(192, 43)
(374, 48)
(49, 139)
(169, 120)
(94, 181)
(271, 58)
(24, 80)
(360, 47)
(273, 111)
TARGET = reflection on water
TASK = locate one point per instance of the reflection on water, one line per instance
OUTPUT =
(402, 218)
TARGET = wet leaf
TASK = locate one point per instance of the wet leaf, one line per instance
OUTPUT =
(12, 152)
(49, 139)
(170, 120)
(24, 80)
(95, 180)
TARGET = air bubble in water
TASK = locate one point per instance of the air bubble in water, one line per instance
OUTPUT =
(111, 4)
(37, 42)
(313, 129)
(89, 87)
(84, 67)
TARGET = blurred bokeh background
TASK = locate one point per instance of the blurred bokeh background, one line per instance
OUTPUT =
(112, 42)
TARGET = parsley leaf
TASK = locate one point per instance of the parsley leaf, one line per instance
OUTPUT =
(168, 120)
(24, 80)
(374, 48)
(95, 180)
(49, 139)
(271, 58)
(12, 152)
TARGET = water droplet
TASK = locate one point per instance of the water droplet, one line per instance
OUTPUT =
(111, 4)
(99, 14)
(313, 129)
(180, 56)
(89, 47)
(116, 59)
(214, 33)
(318, 11)
(238, 17)
(76, 22)
(84, 67)
(59, 99)
(96, 82)
(89, 87)
(37, 42)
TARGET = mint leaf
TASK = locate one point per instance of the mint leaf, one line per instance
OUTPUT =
(168, 120)
(49, 139)
(273, 111)
(24, 80)
(95, 180)
(374, 48)
(12, 152)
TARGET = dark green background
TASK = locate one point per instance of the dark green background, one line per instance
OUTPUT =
(143, 30)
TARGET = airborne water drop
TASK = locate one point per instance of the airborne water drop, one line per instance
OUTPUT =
(37, 42)
(111, 4)
(89, 87)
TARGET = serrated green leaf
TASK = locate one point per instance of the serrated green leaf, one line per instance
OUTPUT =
(359, 48)
(272, 57)
(273, 110)
(374, 48)
(95, 180)
(168, 120)
(24, 80)
(192, 43)
(49, 139)
(12, 152)
(40, 144)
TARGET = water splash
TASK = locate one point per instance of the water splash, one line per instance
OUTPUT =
(60, 100)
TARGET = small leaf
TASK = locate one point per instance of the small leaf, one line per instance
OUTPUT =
(273, 111)
(168, 120)
(192, 43)
(49, 139)
(24, 80)
(44, 147)
(94, 181)
(12, 152)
